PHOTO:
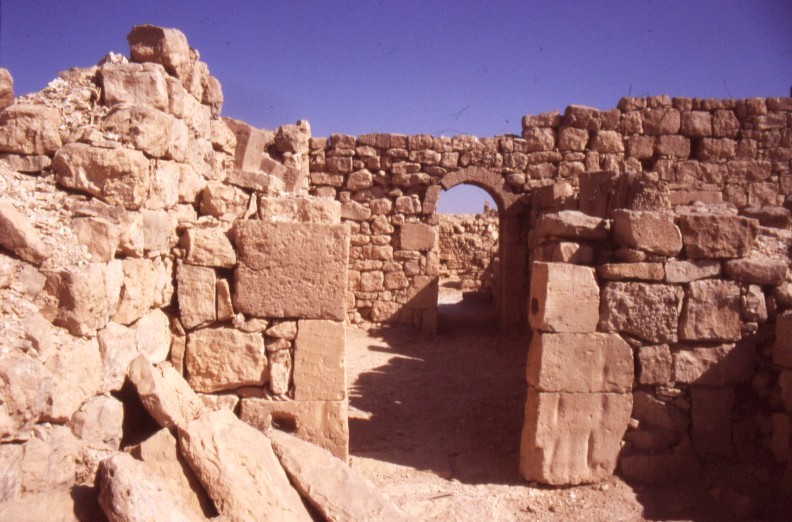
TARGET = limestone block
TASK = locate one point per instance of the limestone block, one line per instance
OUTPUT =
(572, 139)
(572, 438)
(355, 211)
(654, 363)
(582, 117)
(117, 348)
(641, 271)
(138, 293)
(417, 236)
(6, 88)
(756, 271)
(196, 287)
(711, 412)
(160, 453)
(219, 199)
(711, 312)
(129, 490)
(571, 224)
(99, 421)
(76, 369)
(98, 235)
(283, 330)
(696, 124)
(782, 349)
(372, 281)
(225, 306)
(564, 252)
(250, 145)
(280, 371)
(323, 423)
(687, 271)
(722, 365)
(88, 296)
(208, 247)
(30, 129)
(152, 334)
(164, 393)
(300, 210)
(291, 270)
(650, 231)
(319, 369)
(18, 235)
(224, 359)
(663, 120)
(149, 130)
(554, 363)
(754, 305)
(293, 138)
(117, 176)
(253, 180)
(711, 236)
(167, 47)
(57, 505)
(237, 467)
(607, 142)
(334, 488)
(134, 83)
(647, 311)
(672, 146)
(25, 393)
(564, 298)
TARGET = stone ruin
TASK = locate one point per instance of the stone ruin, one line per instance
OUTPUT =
(176, 285)
(468, 246)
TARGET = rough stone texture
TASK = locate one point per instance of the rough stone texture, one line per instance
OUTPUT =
(30, 129)
(300, 210)
(650, 231)
(571, 224)
(723, 365)
(708, 236)
(237, 467)
(641, 271)
(167, 47)
(87, 296)
(417, 236)
(756, 271)
(25, 393)
(76, 370)
(647, 311)
(319, 370)
(334, 488)
(18, 235)
(687, 271)
(711, 312)
(711, 431)
(148, 130)
(654, 363)
(280, 371)
(196, 291)
(136, 84)
(553, 363)
(224, 359)
(564, 298)
(208, 247)
(323, 423)
(564, 252)
(572, 438)
(117, 176)
(164, 393)
(677, 465)
(291, 270)
(99, 421)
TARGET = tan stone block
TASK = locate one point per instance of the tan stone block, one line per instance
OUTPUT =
(654, 363)
(319, 370)
(696, 124)
(208, 247)
(717, 235)
(564, 252)
(711, 413)
(196, 287)
(647, 311)
(607, 142)
(224, 359)
(564, 298)
(6, 88)
(136, 84)
(225, 307)
(539, 139)
(554, 363)
(88, 296)
(659, 414)
(769, 272)
(30, 129)
(664, 120)
(280, 371)
(641, 271)
(76, 369)
(582, 117)
(284, 330)
(291, 270)
(99, 422)
(417, 236)
(24, 163)
(571, 224)
(153, 335)
(147, 129)
(98, 235)
(640, 147)
(164, 393)
(711, 312)
(650, 231)
(25, 393)
(687, 271)
(167, 47)
(572, 438)
(219, 199)
(323, 423)
(716, 149)
(18, 235)
(300, 210)
(372, 281)
(724, 365)
(572, 139)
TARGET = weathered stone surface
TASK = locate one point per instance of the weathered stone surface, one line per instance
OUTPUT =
(219, 199)
(224, 359)
(642, 271)
(782, 349)
(196, 291)
(6, 88)
(554, 363)
(138, 290)
(164, 393)
(300, 210)
(650, 231)
(88, 296)
(654, 363)
(76, 369)
(647, 311)
(25, 393)
(136, 84)
(167, 47)
(117, 346)
(117, 176)
(564, 252)
(564, 298)
(334, 488)
(711, 312)
(323, 423)
(280, 371)
(208, 247)
(572, 438)
(52, 506)
(687, 271)
(24, 163)
(18, 235)
(30, 129)
(283, 330)
(153, 336)
(723, 365)
(711, 236)
(237, 467)
(571, 224)
(253, 180)
(711, 412)
(225, 307)
(756, 271)
(291, 270)
(417, 236)
(130, 491)
(98, 235)
(149, 130)
(660, 121)
(319, 370)
(99, 421)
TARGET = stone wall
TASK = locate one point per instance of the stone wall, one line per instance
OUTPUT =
(469, 250)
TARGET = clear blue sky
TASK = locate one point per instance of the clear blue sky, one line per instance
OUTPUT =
(438, 67)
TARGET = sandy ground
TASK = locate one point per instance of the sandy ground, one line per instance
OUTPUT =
(435, 422)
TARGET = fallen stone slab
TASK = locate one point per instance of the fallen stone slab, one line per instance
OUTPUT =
(333, 487)
(18, 235)
(238, 469)
(164, 393)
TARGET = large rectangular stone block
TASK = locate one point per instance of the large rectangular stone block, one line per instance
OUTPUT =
(195, 288)
(647, 311)
(564, 298)
(417, 236)
(711, 312)
(573, 362)
(319, 371)
(323, 423)
(291, 270)
(713, 236)
(572, 438)
(225, 358)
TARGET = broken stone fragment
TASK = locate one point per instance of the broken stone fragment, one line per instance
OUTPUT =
(224, 359)
(30, 129)
(238, 469)
(165, 46)
(99, 421)
(280, 371)
(284, 330)
(164, 393)
(18, 235)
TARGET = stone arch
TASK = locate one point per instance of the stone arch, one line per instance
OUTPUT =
(512, 248)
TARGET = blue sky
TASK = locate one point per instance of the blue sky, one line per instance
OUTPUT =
(437, 67)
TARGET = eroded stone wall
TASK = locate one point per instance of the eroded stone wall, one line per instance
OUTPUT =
(469, 251)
